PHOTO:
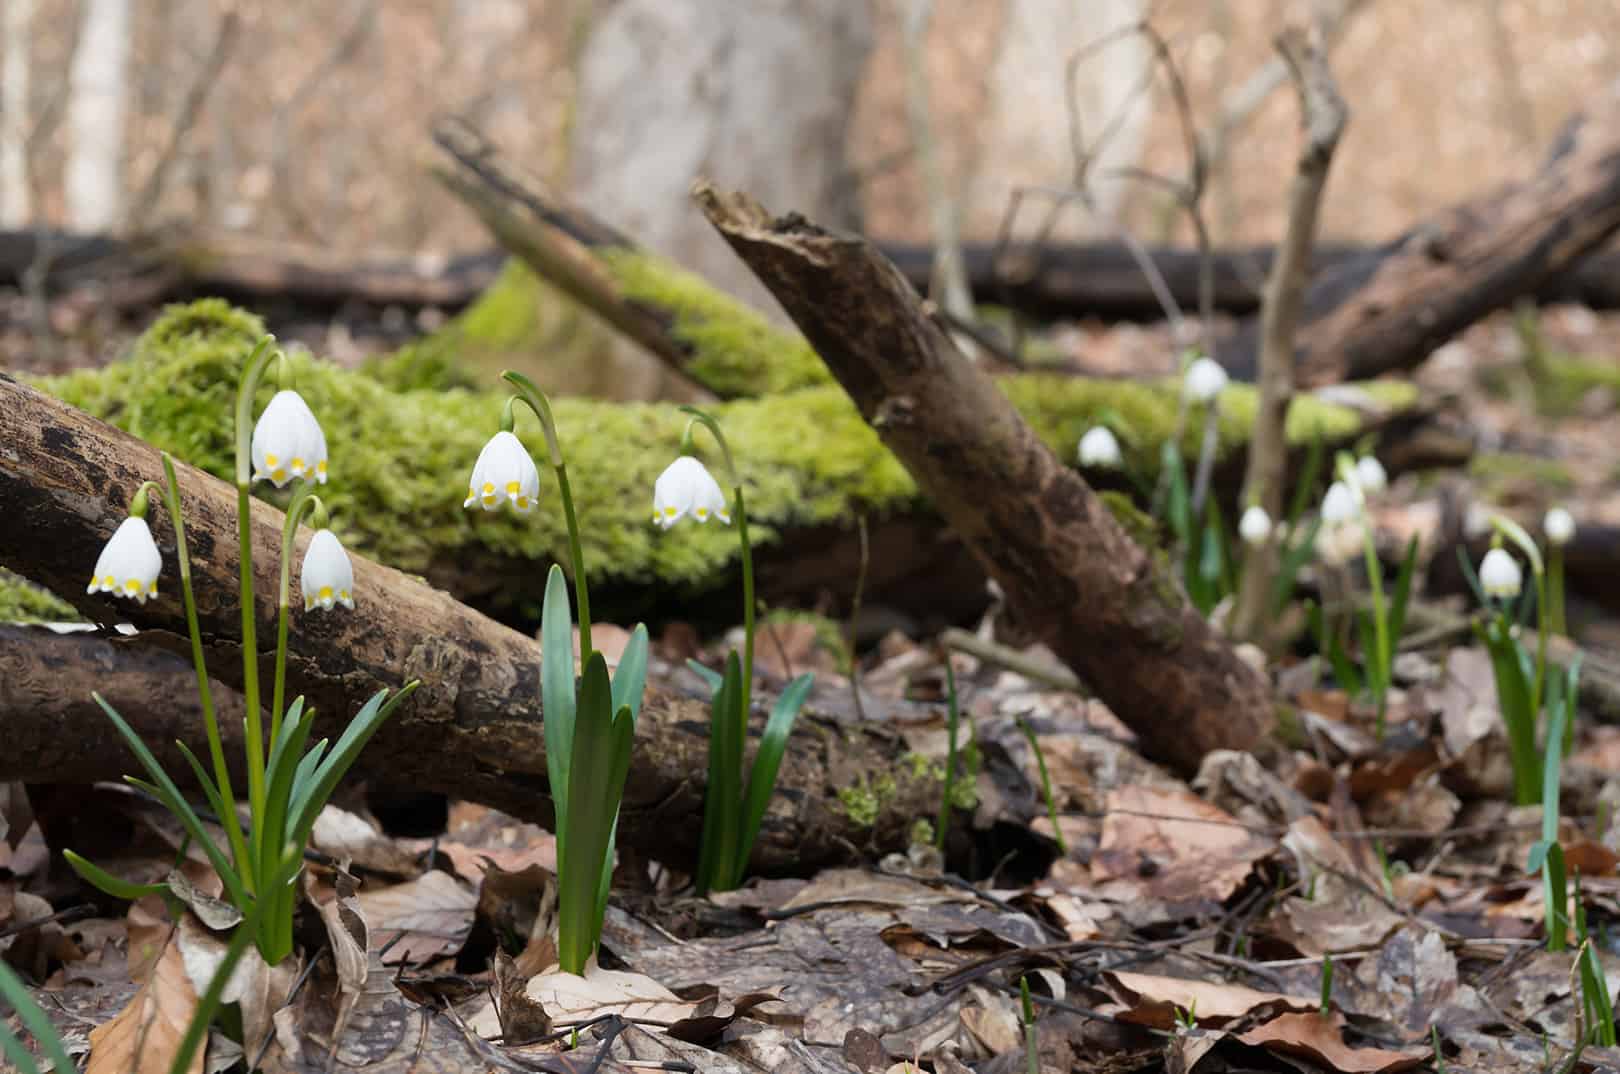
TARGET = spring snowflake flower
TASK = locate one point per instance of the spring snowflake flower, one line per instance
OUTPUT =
(1370, 475)
(1499, 575)
(288, 442)
(1099, 449)
(504, 472)
(129, 563)
(1559, 526)
(1204, 381)
(327, 576)
(687, 488)
(1255, 525)
(1340, 505)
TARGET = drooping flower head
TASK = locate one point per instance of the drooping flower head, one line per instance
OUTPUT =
(1559, 526)
(288, 442)
(129, 563)
(1370, 475)
(1099, 450)
(327, 576)
(504, 473)
(1255, 525)
(1204, 381)
(1340, 505)
(1499, 575)
(687, 488)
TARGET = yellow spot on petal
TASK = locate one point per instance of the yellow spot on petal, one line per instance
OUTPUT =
(326, 592)
(523, 503)
(669, 512)
(320, 467)
(512, 487)
(271, 460)
(151, 587)
(133, 585)
(489, 487)
(278, 476)
(701, 513)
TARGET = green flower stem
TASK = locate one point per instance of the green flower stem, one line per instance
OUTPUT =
(537, 402)
(303, 502)
(216, 751)
(1555, 587)
(1380, 659)
(252, 736)
(748, 609)
(1538, 688)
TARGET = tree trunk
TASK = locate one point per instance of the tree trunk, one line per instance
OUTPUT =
(94, 183)
(1071, 574)
(473, 729)
(758, 92)
(16, 190)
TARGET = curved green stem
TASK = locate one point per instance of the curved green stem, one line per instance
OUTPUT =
(304, 500)
(537, 402)
(1540, 685)
(1379, 660)
(1555, 588)
(216, 751)
(252, 737)
(748, 609)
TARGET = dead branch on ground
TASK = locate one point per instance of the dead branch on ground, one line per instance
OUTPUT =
(1071, 574)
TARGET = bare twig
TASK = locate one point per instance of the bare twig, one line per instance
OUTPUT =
(1046, 672)
(1323, 114)
(190, 109)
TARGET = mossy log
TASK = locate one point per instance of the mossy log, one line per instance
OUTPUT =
(1107, 606)
(811, 464)
(474, 727)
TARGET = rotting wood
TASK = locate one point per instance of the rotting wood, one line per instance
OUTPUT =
(1073, 577)
(472, 730)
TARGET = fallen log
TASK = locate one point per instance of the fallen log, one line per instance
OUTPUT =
(1108, 607)
(1388, 309)
(473, 729)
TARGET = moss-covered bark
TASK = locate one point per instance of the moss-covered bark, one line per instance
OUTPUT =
(401, 455)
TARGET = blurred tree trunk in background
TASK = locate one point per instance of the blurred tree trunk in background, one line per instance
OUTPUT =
(1025, 135)
(754, 94)
(96, 112)
(16, 194)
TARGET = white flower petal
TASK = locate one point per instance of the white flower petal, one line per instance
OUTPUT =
(129, 563)
(1559, 526)
(326, 577)
(1341, 504)
(1255, 525)
(1099, 449)
(1370, 475)
(504, 474)
(687, 488)
(288, 442)
(1205, 379)
(1499, 575)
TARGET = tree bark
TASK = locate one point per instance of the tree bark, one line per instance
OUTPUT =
(474, 727)
(1070, 572)
(1388, 310)
(93, 182)
(1323, 115)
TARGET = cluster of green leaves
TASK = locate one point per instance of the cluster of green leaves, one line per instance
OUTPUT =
(1377, 629)
(734, 808)
(590, 728)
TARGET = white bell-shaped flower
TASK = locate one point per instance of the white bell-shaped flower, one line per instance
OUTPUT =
(1099, 450)
(327, 576)
(1370, 475)
(687, 488)
(1559, 526)
(1499, 575)
(129, 564)
(1340, 505)
(1255, 525)
(288, 442)
(504, 473)
(1204, 381)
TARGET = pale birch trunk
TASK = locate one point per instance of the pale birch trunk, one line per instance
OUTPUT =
(1024, 137)
(99, 98)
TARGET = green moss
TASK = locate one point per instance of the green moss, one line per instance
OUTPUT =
(736, 351)
(864, 801)
(1496, 471)
(400, 458)
(21, 601)
(1140, 525)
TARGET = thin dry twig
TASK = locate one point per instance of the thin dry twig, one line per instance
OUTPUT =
(1323, 114)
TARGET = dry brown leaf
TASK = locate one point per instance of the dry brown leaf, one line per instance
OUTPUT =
(1173, 846)
(1150, 1000)
(430, 915)
(566, 997)
(260, 989)
(861, 886)
(144, 1038)
(1319, 1038)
